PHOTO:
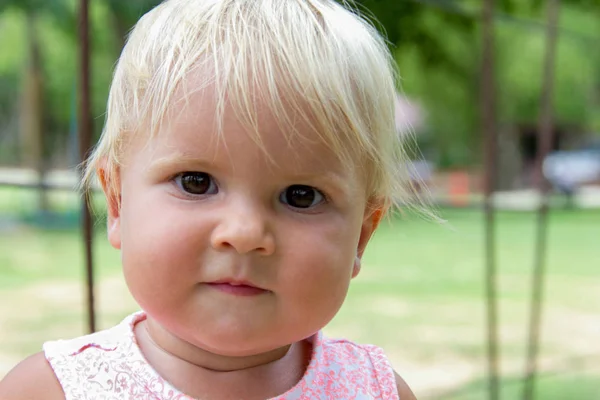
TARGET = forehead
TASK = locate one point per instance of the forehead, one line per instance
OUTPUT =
(194, 127)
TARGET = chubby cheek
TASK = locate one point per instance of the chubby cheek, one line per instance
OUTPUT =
(158, 250)
(323, 260)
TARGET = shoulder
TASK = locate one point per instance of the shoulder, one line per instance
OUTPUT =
(369, 358)
(404, 391)
(33, 378)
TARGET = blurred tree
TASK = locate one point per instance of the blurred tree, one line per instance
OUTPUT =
(437, 47)
(407, 23)
(48, 68)
(126, 13)
(436, 44)
(32, 138)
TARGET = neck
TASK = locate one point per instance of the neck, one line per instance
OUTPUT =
(159, 339)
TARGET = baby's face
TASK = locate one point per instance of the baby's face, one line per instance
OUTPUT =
(228, 250)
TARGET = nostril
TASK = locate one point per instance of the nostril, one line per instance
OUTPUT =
(250, 236)
(225, 245)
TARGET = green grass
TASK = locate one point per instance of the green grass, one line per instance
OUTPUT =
(39, 247)
(22, 204)
(548, 387)
(29, 256)
(420, 296)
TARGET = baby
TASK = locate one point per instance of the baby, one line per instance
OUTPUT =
(249, 154)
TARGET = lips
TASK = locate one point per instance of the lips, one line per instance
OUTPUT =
(237, 288)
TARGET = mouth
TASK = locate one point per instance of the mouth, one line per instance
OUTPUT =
(236, 288)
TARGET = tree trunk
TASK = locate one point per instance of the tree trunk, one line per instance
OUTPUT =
(489, 130)
(32, 135)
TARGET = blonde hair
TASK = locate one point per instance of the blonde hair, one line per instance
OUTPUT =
(309, 59)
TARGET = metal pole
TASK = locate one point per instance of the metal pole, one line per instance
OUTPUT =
(489, 130)
(85, 133)
(545, 139)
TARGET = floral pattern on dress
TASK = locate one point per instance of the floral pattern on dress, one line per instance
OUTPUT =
(109, 365)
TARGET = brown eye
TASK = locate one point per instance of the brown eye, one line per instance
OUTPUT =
(301, 196)
(197, 183)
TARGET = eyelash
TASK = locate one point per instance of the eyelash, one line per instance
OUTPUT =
(297, 187)
(176, 180)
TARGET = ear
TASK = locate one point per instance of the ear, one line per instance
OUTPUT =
(111, 185)
(370, 222)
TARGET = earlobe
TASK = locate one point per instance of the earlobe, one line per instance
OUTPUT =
(114, 232)
(368, 227)
(356, 267)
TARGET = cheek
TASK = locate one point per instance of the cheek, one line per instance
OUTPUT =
(160, 246)
(323, 256)
(334, 240)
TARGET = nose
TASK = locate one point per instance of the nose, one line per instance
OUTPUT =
(243, 228)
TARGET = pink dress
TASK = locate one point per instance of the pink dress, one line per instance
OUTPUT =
(109, 365)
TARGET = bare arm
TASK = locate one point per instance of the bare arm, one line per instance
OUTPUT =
(404, 391)
(32, 379)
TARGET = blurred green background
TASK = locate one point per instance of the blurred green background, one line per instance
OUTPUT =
(420, 294)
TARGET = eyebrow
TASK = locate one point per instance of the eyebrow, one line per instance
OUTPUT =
(179, 159)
